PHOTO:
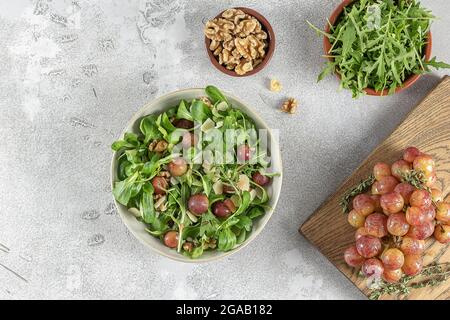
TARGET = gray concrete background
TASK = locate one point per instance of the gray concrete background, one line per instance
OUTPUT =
(73, 73)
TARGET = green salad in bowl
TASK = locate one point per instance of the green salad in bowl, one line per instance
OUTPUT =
(196, 174)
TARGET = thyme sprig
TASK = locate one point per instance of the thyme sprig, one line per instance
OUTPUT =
(431, 275)
(415, 178)
(360, 188)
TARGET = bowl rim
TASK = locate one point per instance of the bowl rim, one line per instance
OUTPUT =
(371, 91)
(219, 255)
(271, 44)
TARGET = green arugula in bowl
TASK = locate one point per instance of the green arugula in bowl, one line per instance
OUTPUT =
(197, 175)
(378, 45)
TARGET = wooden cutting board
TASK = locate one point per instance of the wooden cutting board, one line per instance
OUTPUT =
(426, 127)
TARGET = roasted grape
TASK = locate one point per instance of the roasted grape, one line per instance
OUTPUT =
(420, 198)
(381, 170)
(178, 167)
(189, 140)
(353, 258)
(410, 154)
(160, 185)
(376, 225)
(413, 265)
(372, 268)
(385, 185)
(424, 163)
(442, 233)
(397, 224)
(421, 232)
(183, 124)
(392, 259)
(392, 276)
(368, 246)
(243, 152)
(406, 190)
(364, 204)
(356, 219)
(399, 168)
(171, 239)
(415, 216)
(260, 179)
(391, 202)
(411, 246)
(220, 209)
(443, 212)
(230, 204)
(198, 204)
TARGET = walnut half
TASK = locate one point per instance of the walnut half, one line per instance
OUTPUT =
(289, 106)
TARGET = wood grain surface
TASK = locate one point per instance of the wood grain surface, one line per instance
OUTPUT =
(426, 127)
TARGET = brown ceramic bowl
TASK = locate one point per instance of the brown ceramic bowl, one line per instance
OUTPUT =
(370, 91)
(269, 51)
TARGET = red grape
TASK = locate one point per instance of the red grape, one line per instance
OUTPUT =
(360, 232)
(385, 185)
(400, 168)
(352, 257)
(424, 163)
(431, 180)
(420, 198)
(392, 259)
(171, 239)
(178, 167)
(406, 190)
(436, 195)
(372, 267)
(355, 219)
(412, 246)
(421, 232)
(198, 204)
(364, 204)
(392, 276)
(442, 233)
(415, 216)
(368, 246)
(413, 265)
(429, 212)
(410, 154)
(260, 179)
(221, 210)
(397, 224)
(391, 202)
(159, 185)
(376, 200)
(376, 225)
(381, 170)
(443, 212)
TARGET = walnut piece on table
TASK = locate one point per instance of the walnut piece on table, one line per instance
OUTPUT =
(289, 106)
(275, 85)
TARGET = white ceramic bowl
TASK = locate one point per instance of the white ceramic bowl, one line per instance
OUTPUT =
(138, 228)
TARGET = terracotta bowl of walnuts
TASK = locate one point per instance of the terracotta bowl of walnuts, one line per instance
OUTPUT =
(240, 42)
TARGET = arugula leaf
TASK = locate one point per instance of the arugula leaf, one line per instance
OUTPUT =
(437, 64)
(227, 240)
